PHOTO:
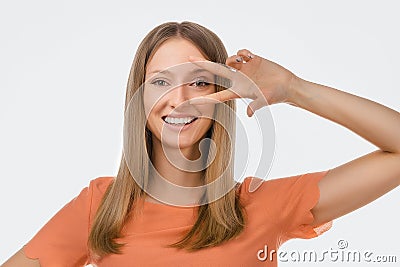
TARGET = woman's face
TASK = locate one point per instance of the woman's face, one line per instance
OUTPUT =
(169, 84)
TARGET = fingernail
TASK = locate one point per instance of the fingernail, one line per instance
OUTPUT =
(239, 59)
(232, 69)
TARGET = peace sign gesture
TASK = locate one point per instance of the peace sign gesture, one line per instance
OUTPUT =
(252, 77)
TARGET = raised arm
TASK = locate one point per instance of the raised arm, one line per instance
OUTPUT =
(346, 187)
(360, 181)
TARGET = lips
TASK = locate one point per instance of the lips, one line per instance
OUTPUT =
(179, 115)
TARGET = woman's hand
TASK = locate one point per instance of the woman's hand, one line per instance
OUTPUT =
(263, 81)
(346, 187)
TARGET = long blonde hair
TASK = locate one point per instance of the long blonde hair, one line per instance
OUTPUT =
(218, 221)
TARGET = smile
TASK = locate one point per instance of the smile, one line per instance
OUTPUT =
(179, 121)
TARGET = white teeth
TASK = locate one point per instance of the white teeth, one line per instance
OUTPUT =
(179, 120)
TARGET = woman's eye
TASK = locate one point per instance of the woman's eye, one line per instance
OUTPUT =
(200, 83)
(160, 82)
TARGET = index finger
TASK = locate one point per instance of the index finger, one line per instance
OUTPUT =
(215, 98)
(215, 68)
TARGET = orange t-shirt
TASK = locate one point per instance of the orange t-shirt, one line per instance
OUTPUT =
(277, 211)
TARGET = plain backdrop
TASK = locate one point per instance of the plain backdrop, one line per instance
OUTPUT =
(64, 67)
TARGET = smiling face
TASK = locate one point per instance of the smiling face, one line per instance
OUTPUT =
(169, 84)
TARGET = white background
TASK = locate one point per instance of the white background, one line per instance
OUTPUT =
(64, 67)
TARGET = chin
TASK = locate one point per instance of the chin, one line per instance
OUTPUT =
(183, 143)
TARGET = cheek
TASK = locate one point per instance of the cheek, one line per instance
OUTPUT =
(207, 111)
(209, 90)
(146, 102)
(151, 101)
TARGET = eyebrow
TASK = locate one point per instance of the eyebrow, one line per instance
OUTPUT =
(195, 71)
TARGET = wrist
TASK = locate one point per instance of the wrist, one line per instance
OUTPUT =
(295, 90)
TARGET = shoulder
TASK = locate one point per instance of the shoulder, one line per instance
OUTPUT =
(90, 196)
(88, 201)
(100, 184)
(252, 184)
(276, 188)
(63, 239)
(97, 188)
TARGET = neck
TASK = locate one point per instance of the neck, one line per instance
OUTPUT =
(182, 166)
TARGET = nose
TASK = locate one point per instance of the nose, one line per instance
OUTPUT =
(178, 95)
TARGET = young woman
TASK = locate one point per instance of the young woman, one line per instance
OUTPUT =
(126, 220)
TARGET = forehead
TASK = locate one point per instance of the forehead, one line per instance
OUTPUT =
(172, 52)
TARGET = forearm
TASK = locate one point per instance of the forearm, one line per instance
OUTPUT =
(374, 122)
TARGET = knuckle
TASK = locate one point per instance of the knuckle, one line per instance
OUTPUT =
(243, 51)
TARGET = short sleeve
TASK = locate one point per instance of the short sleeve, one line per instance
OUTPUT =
(62, 241)
(301, 194)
